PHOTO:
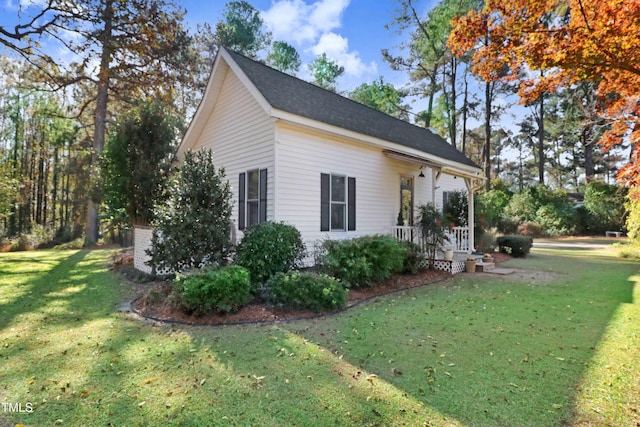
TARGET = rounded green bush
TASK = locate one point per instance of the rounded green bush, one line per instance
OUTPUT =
(269, 248)
(363, 260)
(413, 257)
(215, 291)
(517, 246)
(316, 292)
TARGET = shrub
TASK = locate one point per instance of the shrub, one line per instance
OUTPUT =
(269, 248)
(193, 228)
(221, 291)
(633, 219)
(486, 241)
(363, 260)
(137, 161)
(413, 257)
(522, 207)
(306, 291)
(551, 209)
(605, 205)
(558, 219)
(433, 234)
(490, 208)
(74, 244)
(530, 229)
(456, 208)
(517, 246)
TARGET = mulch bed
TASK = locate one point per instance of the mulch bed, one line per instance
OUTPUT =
(152, 302)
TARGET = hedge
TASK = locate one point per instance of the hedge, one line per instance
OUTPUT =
(517, 246)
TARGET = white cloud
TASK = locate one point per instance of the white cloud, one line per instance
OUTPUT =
(312, 28)
(326, 15)
(288, 21)
(337, 48)
(294, 20)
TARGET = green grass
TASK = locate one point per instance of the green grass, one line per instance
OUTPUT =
(598, 240)
(471, 351)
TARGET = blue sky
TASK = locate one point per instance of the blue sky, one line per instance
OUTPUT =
(350, 31)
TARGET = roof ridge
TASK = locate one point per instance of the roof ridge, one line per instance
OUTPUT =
(330, 92)
(293, 95)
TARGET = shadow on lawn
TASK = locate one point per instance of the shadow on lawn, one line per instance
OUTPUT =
(489, 352)
(63, 292)
(470, 351)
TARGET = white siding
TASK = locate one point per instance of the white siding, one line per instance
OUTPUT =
(301, 156)
(241, 135)
(448, 183)
(423, 188)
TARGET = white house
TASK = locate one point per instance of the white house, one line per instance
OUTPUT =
(332, 167)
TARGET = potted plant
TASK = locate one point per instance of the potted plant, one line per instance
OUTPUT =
(470, 265)
(429, 223)
(448, 255)
(487, 258)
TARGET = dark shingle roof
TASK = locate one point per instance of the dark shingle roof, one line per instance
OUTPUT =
(295, 96)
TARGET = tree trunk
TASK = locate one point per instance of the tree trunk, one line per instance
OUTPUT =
(487, 135)
(589, 171)
(453, 128)
(54, 190)
(432, 94)
(541, 141)
(465, 107)
(91, 226)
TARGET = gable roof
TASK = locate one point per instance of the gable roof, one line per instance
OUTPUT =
(295, 96)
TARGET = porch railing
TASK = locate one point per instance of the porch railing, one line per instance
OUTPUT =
(458, 237)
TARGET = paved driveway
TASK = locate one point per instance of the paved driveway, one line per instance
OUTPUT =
(570, 245)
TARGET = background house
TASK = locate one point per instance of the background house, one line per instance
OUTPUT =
(334, 168)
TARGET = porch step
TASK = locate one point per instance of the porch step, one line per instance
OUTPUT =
(484, 267)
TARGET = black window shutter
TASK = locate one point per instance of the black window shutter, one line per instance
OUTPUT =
(263, 195)
(351, 203)
(324, 201)
(242, 200)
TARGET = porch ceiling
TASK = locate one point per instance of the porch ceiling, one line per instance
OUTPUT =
(412, 159)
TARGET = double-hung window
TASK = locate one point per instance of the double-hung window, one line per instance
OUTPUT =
(338, 202)
(252, 198)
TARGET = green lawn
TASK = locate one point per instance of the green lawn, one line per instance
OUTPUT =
(471, 351)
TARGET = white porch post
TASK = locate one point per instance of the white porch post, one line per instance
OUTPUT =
(470, 187)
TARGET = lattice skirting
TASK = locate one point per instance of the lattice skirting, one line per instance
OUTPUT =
(453, 267)
(142, 242)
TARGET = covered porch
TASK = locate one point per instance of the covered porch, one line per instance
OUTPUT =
(458, 242)
(436, 183)
(460, 238)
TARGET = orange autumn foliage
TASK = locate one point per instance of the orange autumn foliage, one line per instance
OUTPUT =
(566, 41)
